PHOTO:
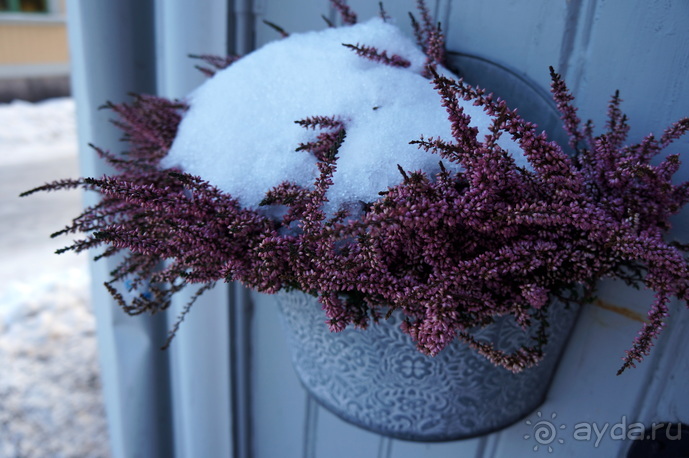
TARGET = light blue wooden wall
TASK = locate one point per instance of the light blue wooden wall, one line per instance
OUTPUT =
(227, 387)
(640, 47)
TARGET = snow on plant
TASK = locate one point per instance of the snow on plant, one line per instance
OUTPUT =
(480, 216)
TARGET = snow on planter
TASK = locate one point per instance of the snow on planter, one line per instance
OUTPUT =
(240, 133)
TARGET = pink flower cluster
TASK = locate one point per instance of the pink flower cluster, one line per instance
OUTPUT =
(453, 251)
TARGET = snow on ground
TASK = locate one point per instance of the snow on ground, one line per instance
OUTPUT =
(50, 389)
(36, 132)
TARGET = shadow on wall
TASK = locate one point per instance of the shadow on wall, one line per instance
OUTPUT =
(34, 88)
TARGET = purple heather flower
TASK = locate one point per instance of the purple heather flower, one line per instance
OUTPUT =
(452, 252)
(348, 16)
(374, 55)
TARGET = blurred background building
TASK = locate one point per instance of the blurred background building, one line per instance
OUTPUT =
(34, 60)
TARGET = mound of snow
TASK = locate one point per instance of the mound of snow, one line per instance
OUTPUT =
(240, 132)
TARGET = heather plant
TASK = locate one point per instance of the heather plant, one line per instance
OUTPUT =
(451, 251)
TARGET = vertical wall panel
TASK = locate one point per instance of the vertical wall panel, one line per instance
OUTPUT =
(397, 10)
(185, 27)
(200, 376)
(466, 448)
(279, 402)
(199, 355)
(642, 50)
(112, 52)
(338, 439)
(293, 16)
(305, 15)
(666, 398)
(526, 36)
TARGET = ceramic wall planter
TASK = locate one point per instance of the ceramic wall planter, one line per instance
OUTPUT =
(376, 379)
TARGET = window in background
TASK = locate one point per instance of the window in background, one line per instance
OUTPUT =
(24, 6)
